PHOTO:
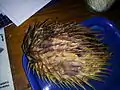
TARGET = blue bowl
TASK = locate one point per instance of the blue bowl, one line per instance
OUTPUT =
(111, 37)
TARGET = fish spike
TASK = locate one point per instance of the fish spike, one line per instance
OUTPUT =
(48, 77)
(106, 64)
(31, 65)
(87, 83)
(42, 77)
(50, 80)
(105, 73)
(61, 85)
(28, 71)
(69, 83)
(38, 74)
(33, 69)
(37, 23)
(42, 23)
(101, 76)
(54, 82)
(96, 78)
(80, 83)
(46, 80)
(74, 83)
(66, 84)
(98, 34)
(106, 69)
(28, 65)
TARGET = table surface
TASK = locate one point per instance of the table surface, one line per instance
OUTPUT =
(63, 10)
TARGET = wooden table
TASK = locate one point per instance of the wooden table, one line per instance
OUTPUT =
(63, 10)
